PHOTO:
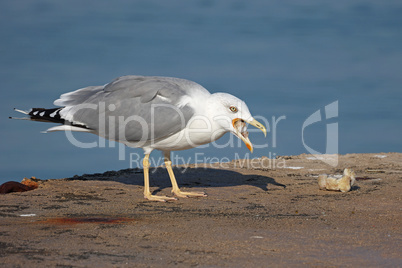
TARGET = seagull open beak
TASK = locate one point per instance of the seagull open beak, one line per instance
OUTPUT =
(240, 130)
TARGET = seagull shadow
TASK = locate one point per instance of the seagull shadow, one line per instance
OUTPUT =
(186, 177)
(209, 177)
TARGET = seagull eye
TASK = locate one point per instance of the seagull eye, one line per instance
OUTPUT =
(233, 109)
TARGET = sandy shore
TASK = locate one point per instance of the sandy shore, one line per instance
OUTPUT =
(255, 215)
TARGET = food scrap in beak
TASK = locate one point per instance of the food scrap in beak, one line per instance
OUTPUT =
(241, 127)
(240, 130)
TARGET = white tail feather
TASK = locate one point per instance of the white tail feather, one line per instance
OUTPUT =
(21, 111)
(67, 128)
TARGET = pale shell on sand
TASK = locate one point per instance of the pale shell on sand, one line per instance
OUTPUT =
(336, 183)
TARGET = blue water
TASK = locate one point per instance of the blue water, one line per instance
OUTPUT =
(286, 58)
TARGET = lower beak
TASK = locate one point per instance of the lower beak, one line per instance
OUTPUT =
(244, 136)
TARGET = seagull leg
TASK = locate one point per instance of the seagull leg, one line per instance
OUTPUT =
(147, 192)
(175, 187)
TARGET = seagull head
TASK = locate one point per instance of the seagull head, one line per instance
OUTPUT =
(233, 115)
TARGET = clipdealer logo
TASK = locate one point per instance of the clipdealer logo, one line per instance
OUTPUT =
(108, 125)
(330, 156)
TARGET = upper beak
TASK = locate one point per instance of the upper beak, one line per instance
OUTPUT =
(244, 136)
(258, 125)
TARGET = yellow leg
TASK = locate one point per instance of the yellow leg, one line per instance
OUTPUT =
(175, 187)
(147, 192)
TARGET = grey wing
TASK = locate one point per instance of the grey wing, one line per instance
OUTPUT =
(135, 108)
(79, 96)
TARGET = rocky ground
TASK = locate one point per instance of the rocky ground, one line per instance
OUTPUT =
(257, 214)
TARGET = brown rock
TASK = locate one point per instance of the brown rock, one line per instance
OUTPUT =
(33, 182)
(13, 186)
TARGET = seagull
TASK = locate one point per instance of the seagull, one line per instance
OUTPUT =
(152, 113)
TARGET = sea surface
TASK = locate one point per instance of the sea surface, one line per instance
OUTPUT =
(325, 76)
